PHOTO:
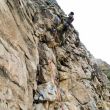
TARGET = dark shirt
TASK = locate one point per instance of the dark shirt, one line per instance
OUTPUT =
(70, 19)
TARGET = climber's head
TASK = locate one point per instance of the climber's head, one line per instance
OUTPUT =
(72, 13)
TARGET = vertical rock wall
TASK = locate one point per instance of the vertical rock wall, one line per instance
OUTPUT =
(36, 72)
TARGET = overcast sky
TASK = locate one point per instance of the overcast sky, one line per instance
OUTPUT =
(92, 20)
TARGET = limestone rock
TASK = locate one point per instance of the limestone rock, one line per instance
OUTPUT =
(36, 71)
(46, 92)
(79, 91)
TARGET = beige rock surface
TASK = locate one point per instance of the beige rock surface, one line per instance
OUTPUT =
(36, 72)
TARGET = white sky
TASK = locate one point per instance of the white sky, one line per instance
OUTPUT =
(92, 20)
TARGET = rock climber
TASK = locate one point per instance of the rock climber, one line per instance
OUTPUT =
(66, 22)
(69, 21)
(61, 25)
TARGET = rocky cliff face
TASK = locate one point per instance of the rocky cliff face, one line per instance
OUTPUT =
(104, 67)
(36, 72)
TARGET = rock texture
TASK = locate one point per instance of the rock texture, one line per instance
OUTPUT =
(104, 67)
(36, 72)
